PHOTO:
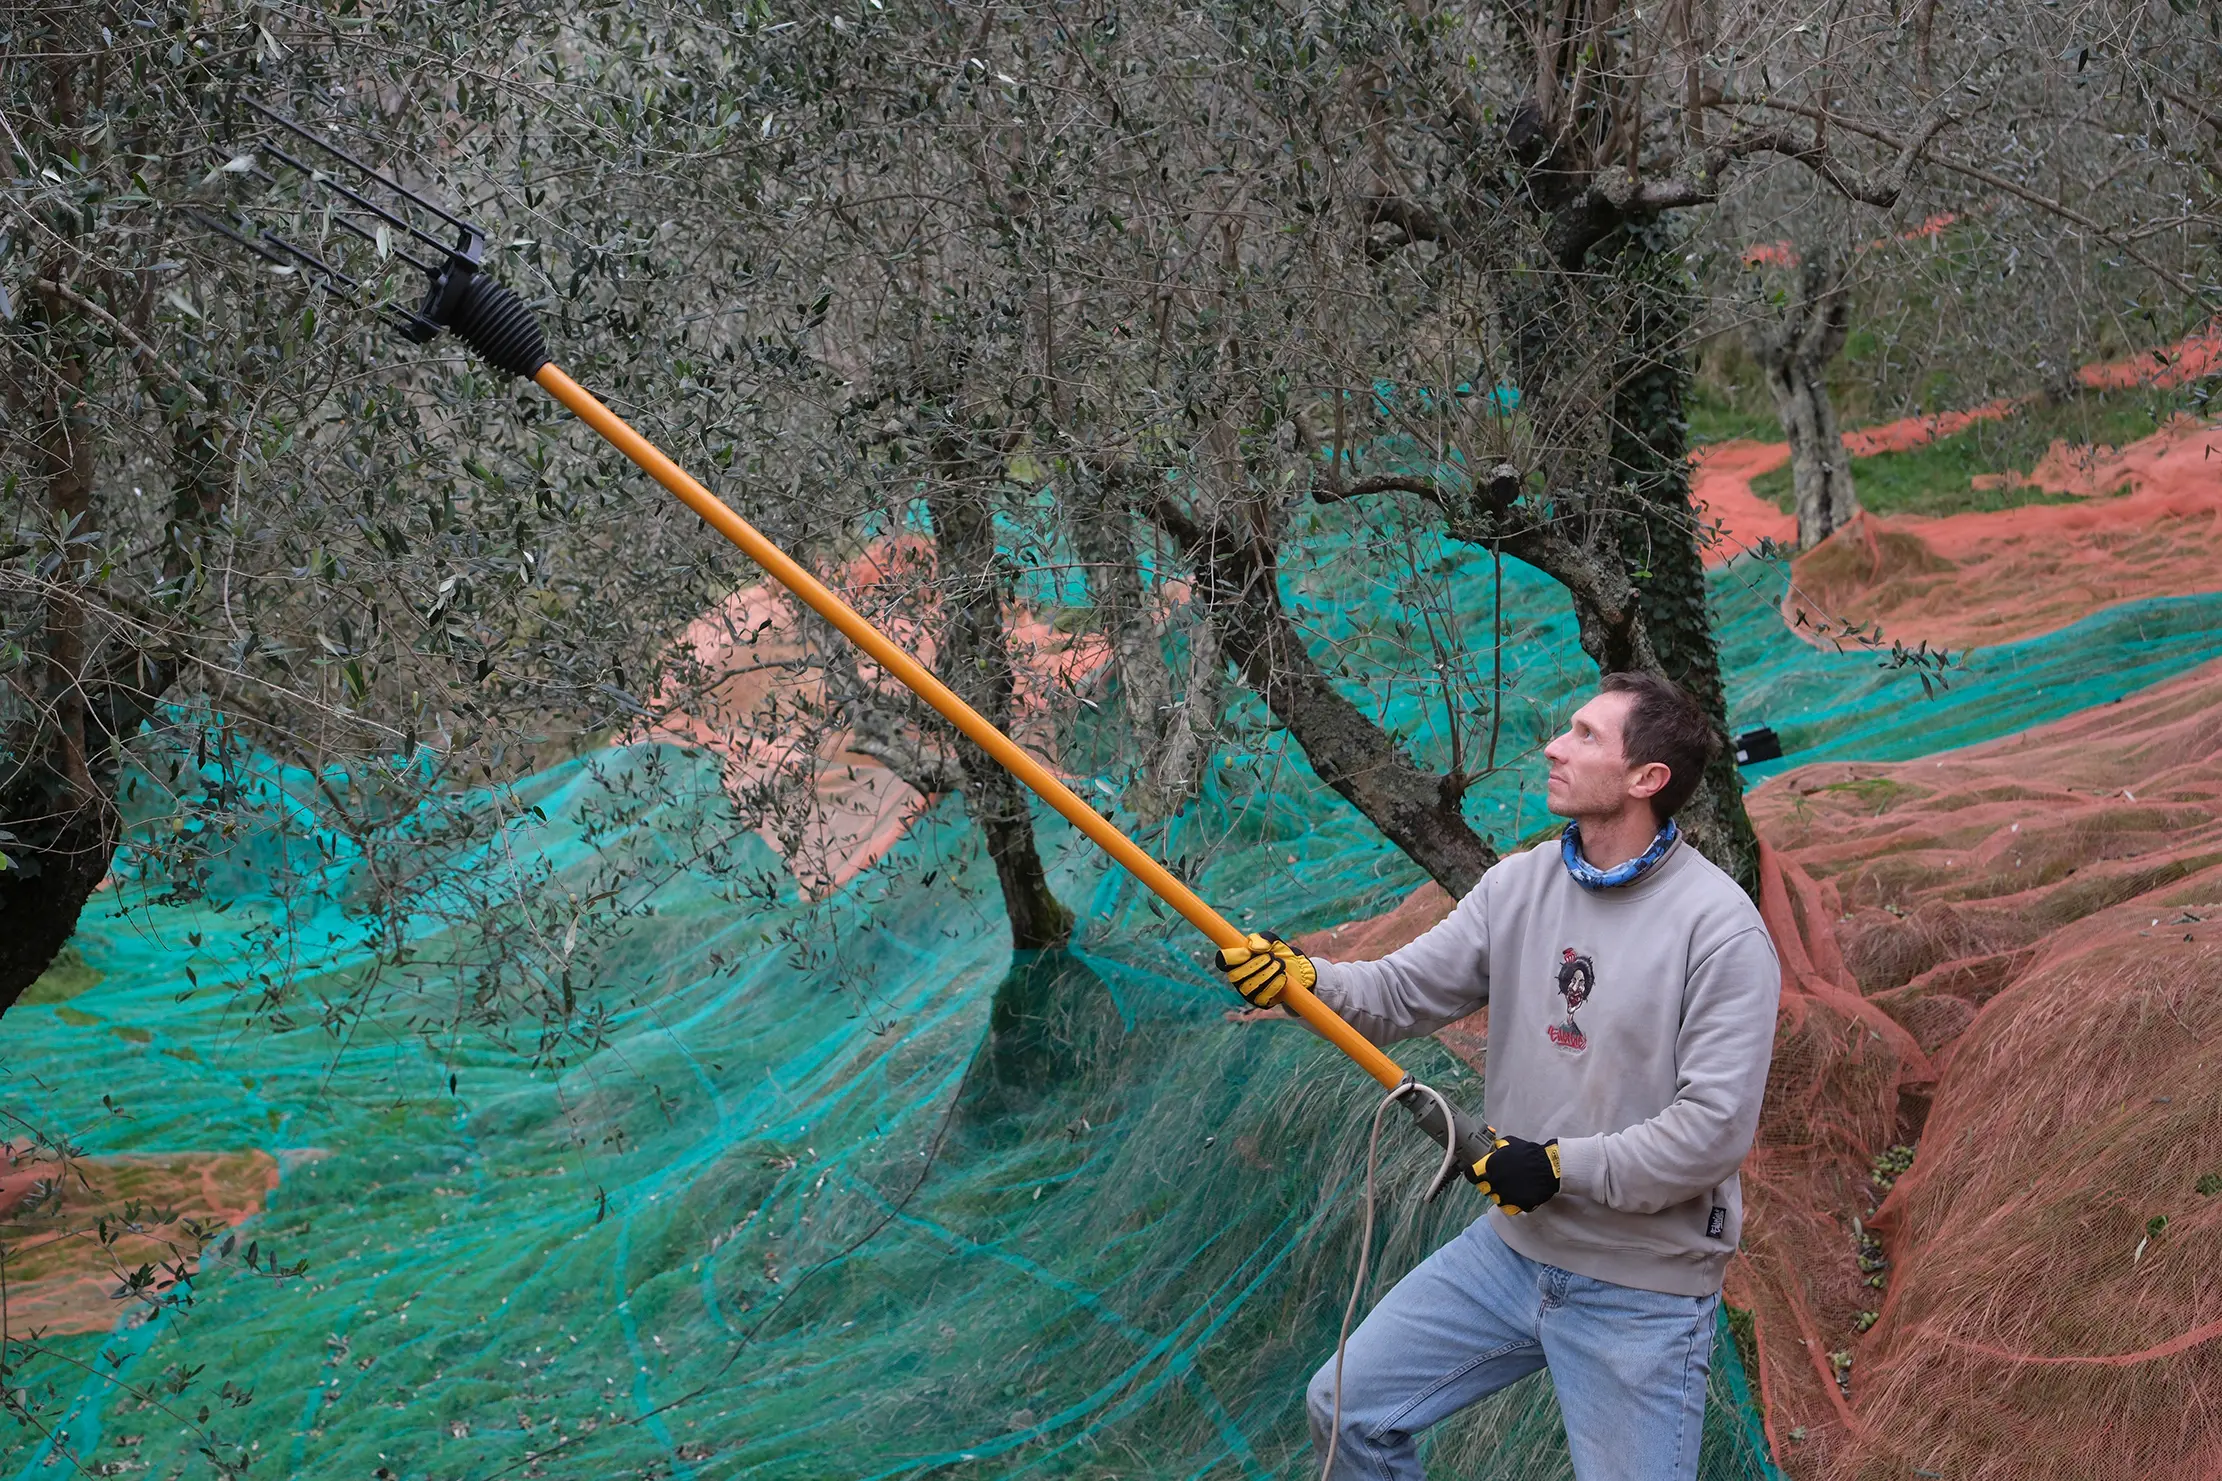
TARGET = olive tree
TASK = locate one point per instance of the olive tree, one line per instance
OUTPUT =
(1212, 238)
(244, 518)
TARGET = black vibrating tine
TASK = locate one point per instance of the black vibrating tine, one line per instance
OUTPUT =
(252, 244)
(344, 223)
(354, 284)
(301, 255)
(348, 224)
(351, 292)
(340, 154)
(407, 319)
(340, 218)
(356, 292)
(319, 177)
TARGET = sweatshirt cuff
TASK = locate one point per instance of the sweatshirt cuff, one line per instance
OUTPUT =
(1328, 989)
(1581, 1167)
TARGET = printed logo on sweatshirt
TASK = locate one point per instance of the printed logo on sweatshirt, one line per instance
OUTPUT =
(1577, 974)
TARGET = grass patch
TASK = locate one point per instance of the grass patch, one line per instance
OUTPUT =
(1914, 483)
(1937, 477)
(1879, 791)
(65, 978)
(1721, 412)
(1743, 1329)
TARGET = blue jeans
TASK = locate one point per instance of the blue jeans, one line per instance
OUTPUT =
(1629, 1365)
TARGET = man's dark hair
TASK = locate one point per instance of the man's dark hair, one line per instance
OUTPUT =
(1665, 724)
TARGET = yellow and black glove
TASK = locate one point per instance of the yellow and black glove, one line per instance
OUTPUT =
(1263, 966)
(1520, 1175)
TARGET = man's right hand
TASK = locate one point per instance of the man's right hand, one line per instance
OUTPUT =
(1263, 966)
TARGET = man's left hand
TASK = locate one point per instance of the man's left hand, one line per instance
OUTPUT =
(1520, 1175)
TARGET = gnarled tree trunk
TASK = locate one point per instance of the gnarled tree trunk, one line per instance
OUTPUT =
(975, 660)
(1170, 733)
(1238, 577)
(58, 803)
(1794, 356)
(1650, 455)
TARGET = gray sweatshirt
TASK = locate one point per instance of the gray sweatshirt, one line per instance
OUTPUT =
(1633, 1024)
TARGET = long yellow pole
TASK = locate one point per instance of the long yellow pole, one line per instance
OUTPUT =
(915, 675)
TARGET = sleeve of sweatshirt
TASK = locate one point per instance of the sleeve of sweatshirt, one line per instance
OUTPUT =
(1722, 1053)
(1418, 988)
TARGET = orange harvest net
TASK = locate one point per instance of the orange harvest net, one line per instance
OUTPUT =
(2143, 522)
(2009, 957)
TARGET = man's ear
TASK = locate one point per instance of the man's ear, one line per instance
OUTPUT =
(1649, 779)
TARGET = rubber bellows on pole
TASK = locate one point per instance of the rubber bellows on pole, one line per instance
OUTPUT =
(494, 321)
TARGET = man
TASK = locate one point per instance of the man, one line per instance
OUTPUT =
(1631, 990)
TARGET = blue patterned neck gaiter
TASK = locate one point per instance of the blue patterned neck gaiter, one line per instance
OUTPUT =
(1590, 877)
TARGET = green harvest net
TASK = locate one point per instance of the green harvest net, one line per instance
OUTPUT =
(1110, 1241)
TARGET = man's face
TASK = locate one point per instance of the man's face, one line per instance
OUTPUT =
(1590, 776)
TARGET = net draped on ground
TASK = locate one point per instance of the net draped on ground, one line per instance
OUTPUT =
(2011, 956)
(1127, 1273)
(2143, 524)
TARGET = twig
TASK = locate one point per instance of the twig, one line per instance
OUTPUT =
(1999, 182)
(141, 351)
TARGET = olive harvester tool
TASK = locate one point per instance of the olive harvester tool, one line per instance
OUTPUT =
(364, 204)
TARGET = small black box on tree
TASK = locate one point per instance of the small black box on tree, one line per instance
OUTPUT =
(1758, 744)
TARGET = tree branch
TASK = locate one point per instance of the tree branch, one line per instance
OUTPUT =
(2192, 106)
(1382, 483)
(1881, 190)
(1695, 178)
(1418, 223)
(1328, 486)
(2061, 209)
(1237, 581)
(142, 353)
(927, 768)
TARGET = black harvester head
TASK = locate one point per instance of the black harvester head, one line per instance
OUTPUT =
(356, 213)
